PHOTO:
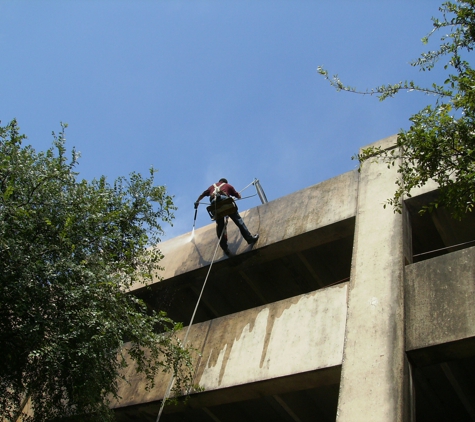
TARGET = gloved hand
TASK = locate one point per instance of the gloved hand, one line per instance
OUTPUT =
(196, 205)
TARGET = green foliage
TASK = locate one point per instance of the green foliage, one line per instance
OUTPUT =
(440, 143)
(69, 252)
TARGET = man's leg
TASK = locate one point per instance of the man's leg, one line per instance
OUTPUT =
(243, 229)
(220, 227)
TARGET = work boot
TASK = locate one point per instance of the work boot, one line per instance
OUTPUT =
(253, 239)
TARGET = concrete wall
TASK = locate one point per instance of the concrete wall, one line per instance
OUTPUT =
(317, 206)
(440, 302)
(373, 370)
(391, 311)
(289, 337)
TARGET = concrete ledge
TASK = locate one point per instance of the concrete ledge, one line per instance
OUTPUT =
(390, 143)
(440, 305)
(384, 144)
(293, 336)
(309, 209)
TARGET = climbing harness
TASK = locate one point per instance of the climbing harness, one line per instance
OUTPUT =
(172, 380)
(221, 208)
(217, 190)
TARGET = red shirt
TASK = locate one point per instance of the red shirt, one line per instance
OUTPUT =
(223, 187)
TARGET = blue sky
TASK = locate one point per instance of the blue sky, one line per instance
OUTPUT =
(204, 89)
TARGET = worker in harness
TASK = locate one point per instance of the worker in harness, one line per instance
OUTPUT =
(219, 192)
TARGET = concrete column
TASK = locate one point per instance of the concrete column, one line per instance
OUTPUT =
(372, 381)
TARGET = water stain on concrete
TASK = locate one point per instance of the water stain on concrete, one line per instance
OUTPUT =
(274, 315)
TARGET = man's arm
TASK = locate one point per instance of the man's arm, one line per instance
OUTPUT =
(197, 202)
(234, 192)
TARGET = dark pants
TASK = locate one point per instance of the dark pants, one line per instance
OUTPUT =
(221, 225)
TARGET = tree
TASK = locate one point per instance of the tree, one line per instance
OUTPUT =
(70, 250)
(440, 143)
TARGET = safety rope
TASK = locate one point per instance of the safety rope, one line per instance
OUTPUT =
(443, 249)
(235, 199)
(245, 197)
(247, 186)
(172, 380)
(242, 190)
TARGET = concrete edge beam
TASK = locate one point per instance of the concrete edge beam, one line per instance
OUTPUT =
(317, 206)
(440, 305)
(292, 336)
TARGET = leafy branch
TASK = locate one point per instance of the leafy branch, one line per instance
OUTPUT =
(440, 143)
(70, 252)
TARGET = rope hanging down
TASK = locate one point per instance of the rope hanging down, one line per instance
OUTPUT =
(263, 199)
(172, 380)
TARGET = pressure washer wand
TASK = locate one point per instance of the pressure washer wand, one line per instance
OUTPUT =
(194, 220)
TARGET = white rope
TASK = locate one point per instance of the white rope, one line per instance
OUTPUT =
(248, 186)
(172, 380)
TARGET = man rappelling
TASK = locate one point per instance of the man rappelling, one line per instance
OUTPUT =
(218, 193)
